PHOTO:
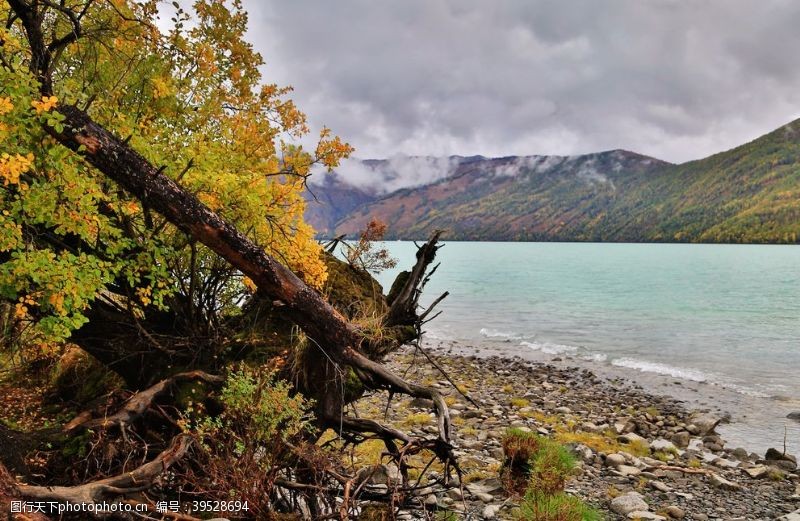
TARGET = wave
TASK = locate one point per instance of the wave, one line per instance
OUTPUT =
(550, 348)
(683, 373)
(595, 357)
(494, 333)
(694, 375)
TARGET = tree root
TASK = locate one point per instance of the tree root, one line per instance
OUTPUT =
(96, 492)
(137, 404)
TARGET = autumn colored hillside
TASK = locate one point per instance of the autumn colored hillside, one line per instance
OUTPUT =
(747, 194)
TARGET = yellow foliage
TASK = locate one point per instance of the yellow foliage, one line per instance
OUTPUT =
(46, 103)
(11, 167)
(5, 105)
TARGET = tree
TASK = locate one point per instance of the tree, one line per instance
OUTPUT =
(152, 214)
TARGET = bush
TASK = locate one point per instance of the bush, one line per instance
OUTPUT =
(538, 506)
(534, 462)
(246, 446)
(550, 467)
(519, 447)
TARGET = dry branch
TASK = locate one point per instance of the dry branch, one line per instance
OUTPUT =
(137, 404)
(96, 492)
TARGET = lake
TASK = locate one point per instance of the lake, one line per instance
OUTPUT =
(715, 325)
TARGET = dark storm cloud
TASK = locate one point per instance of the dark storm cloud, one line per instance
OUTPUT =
(674, 79)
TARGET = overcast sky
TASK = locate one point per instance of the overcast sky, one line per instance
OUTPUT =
(675, 79)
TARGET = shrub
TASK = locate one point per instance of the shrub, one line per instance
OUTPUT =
(534, 462)
(245, 446)
(550, 467)
(555, 507)
(518, 447)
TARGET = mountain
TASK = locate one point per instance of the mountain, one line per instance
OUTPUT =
(332, 200)
(748, 194)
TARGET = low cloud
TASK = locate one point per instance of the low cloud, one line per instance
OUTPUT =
(675, 80)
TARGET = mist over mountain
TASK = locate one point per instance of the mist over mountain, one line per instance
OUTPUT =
(747, 194)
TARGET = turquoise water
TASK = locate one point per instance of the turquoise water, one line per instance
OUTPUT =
(716, 325)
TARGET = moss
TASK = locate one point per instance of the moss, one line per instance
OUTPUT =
(397, 286)
(376, 513)
(519, 402)
(353, 292)
(80, 377)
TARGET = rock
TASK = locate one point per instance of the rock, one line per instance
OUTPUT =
(781, 460)
(431, 501)
(490, 511)
(483, 497)
(720, 482)
(563, 410)
(681, 439)
(615, 460)
(660, 486)
(583, 452)
(675, 512)
(487, 486)
(704, 424)
(627, 503)
(701, 517)
(643, 514)
(627, 470)
(421, 403)
(455, 493)
(663, 446)
(757, 472)
(379, 475)
(794, 516)
(740, 454)
(631, 437)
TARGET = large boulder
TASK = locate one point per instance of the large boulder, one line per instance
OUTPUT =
(627, 503)
(780, 459)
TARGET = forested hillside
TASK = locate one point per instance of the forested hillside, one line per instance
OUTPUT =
(747, 194)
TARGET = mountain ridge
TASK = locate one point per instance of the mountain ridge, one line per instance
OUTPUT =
(749, 193)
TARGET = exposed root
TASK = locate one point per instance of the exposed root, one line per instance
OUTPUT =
(137, 480)
(137, 404)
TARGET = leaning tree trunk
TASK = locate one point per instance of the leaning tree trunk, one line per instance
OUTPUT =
(339, 349)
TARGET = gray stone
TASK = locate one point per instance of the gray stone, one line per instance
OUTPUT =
(660, 486)
(627, 470)
(794, 516)
(757, 472)
(675, 512)
(631, 437)
(627, 503)
(615, 460)
(483, 497)
(663, 446)
(704, 424)
(643, 514)
(720, 482)
(490, 511)
(681, 439)
(455, 493)
(779, 459)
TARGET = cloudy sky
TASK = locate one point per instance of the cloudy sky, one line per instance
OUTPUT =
(670, 78)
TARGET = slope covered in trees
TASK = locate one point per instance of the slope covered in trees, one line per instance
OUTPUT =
(747, 194)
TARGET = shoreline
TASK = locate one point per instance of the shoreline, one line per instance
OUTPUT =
(757, 421)
(629, 442)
